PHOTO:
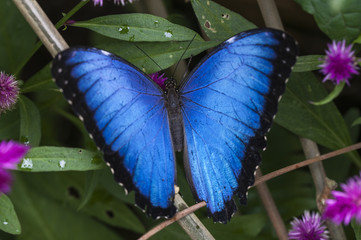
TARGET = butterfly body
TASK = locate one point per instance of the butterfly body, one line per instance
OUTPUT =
(173, 105)
(218, 117)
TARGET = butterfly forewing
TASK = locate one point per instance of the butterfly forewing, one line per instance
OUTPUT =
(229, 102)
(124, 112)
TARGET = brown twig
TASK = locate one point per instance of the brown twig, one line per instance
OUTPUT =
(271, 209)
(306, 162)
(178, 216)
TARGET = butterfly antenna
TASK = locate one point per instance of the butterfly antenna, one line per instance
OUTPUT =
(146, 54)
(189, 44)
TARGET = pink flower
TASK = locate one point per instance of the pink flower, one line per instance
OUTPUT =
(339, 63)
(9, 91)
(310, 227)
(100, 2)
(10, 154)
(159, 79)
(346, 204)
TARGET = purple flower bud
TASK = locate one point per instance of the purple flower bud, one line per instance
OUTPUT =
(159, 79)
(9, 91)
(339, 63)
(309, 227)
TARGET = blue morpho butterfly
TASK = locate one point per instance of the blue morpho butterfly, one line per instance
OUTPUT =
(218, 116)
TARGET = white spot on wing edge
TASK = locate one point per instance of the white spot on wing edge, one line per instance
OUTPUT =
(231, 40)
(105, 52)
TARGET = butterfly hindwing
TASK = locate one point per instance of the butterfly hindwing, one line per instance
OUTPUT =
(124, 112)
(229, 102)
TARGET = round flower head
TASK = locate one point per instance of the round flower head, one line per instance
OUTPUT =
(346, 204)
(10, 154)
(158, 79)
(339, 63)
(9, 91)
(310, 227)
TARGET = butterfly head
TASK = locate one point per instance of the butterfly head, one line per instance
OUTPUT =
(170, 84)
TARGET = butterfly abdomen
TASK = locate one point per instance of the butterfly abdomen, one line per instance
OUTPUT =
(173, 106)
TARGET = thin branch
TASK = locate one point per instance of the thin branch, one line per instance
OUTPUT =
(306, 162)
(271, 209)
(177, 217)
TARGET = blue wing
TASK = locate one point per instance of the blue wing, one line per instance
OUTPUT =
(124, 112)
(229, 102)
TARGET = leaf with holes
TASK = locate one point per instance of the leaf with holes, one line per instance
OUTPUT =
(164, 54)
(219, 23)
(139, 27)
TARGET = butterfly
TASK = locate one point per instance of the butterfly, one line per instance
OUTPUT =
(218, 116)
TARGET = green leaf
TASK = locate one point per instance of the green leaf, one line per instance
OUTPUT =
(43, 159)
(44, 218)
(165, 54)
(331, 96)
(322, 124)
(16, 37)
(337, 19)
(219, 23)
(9, 222)
(30, 131)
(138, 27)
(308, 63)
